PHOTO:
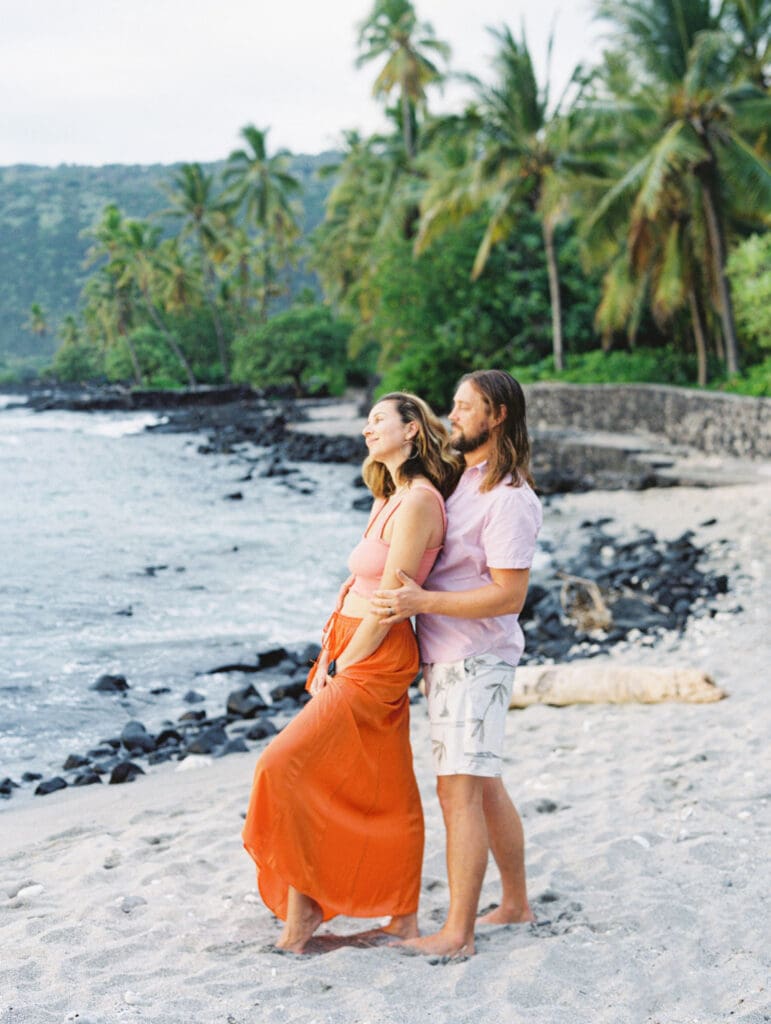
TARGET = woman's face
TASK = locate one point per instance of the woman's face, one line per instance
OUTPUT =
(385, 433)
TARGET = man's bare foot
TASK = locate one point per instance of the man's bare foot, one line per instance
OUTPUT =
(507, 915)
(402, 926)
(441, 943)
(306, 918)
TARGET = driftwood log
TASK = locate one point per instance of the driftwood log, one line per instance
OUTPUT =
(594, 682)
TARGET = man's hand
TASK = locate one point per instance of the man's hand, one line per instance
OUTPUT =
(392, 606)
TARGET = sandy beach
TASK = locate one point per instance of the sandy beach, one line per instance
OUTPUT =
(648, 833)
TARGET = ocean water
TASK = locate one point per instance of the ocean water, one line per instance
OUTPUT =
(100, 518)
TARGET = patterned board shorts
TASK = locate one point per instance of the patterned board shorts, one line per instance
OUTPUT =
(467, 705)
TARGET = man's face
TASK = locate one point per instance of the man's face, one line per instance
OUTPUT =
(470, 421)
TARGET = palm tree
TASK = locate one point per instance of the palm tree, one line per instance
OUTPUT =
(111, 300)
(205, 217)
(393, 31)
(263, 187)
(142, 267)
(130, 281)
(372, 201)
(37, 323)
(750, 23)
(659, 33)
(686, 129)
(514, 148)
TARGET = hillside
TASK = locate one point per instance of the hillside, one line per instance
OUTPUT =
(43, 214)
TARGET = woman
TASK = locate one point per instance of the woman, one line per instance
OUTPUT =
(335, 823)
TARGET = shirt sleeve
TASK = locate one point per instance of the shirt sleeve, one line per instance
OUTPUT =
(511, 529)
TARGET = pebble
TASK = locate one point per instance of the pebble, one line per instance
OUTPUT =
(29, 892)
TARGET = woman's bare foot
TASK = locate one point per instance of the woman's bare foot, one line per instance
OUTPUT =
(304, 915)
(441, 943)
(402, 926)
(507, 915)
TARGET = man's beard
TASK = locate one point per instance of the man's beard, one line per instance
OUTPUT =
(464, 444)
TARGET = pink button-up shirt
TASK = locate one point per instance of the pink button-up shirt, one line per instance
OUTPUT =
(485, 529)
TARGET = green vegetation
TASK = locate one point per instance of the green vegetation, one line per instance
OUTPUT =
(620, 235)
(305, 345)
(45, 215)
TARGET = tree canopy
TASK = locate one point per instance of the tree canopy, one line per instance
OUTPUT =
(630, 216)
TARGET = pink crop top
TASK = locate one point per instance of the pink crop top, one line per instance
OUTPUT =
(367, 560)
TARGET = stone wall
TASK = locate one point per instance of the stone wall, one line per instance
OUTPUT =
(735, 425)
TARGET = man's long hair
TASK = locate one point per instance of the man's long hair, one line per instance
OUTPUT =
(511, 450)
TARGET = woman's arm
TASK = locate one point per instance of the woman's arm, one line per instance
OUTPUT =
(505, 595)
(414, 523)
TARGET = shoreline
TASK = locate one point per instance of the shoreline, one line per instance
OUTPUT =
(647, 828)
(263, 690)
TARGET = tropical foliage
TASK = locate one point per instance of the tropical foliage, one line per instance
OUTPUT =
(620, 233)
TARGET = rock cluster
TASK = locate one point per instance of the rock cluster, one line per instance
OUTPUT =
(249, 717)
(649, 587)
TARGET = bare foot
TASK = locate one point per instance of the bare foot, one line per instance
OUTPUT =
(402, 926)
(304, 919)
(441, 943)
(507, 915)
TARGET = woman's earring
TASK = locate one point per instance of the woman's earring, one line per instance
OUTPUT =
(414, 449)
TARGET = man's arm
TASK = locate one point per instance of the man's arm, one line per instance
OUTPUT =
(504, 596)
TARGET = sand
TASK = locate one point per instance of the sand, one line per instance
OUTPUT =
(648, 856)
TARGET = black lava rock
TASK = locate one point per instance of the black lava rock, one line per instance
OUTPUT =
(87, 778)
(168, 737)
(245, 703)
(234, 746)
(208, 741)
(50, 786)
(111, 684)
(261, 730)
(136, 738)
(292, 690)
(125, 771)
(304, 655)
(192, 716)
(75, 761)
(271, 657)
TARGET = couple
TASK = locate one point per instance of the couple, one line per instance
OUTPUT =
(335, 823)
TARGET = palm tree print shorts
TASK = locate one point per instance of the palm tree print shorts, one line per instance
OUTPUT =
(467, 705)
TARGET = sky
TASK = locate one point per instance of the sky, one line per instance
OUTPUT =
(161, 81)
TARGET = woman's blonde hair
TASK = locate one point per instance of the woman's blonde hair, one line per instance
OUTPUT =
(430, 456)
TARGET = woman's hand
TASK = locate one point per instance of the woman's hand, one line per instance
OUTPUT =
(392, 606)
(320, 677)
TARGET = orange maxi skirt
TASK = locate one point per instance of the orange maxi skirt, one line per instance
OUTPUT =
(335, 810)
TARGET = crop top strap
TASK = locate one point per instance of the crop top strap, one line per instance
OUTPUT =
(415, 486)
(437, 495)
(377, 508)
(390, 512)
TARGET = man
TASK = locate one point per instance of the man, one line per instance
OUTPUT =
(470, 642)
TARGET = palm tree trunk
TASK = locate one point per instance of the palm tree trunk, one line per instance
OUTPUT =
(218, 331)
(554, 291)
(172, 342)
(139, 377)
(409, 141)
(718, 247)
(699, 337)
